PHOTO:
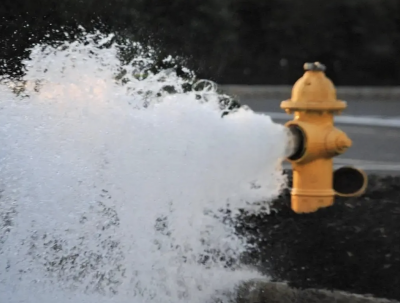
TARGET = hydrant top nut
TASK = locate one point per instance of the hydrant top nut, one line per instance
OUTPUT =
(316, 66)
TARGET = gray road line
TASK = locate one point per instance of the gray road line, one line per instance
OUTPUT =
(375, 149)
(351, 120)
(379, 108)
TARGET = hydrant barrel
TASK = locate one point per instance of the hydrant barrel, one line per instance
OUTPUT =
(312, 186)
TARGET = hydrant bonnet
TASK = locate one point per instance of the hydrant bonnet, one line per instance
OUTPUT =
(313, 91)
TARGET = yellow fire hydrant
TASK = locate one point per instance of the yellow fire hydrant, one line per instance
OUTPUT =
(314, 104)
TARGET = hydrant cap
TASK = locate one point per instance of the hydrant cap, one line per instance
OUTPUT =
(314, 91)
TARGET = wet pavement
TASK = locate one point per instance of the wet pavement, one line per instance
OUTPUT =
(351, 246)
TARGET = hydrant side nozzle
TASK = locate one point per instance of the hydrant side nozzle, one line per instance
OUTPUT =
(343, 143)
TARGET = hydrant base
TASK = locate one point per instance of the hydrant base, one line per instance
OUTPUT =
(309, 204)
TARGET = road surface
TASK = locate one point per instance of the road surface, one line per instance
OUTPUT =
(375, 148)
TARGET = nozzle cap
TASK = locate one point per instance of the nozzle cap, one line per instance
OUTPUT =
(342, 143)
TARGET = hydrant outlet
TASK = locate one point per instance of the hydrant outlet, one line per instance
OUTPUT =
(349, 181)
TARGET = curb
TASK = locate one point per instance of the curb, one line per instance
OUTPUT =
(283, 92)
(349, 120)
(273, 292)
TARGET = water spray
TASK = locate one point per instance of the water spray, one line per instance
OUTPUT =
(116, 189)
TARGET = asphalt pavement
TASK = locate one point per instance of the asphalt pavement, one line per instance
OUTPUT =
(376, 148)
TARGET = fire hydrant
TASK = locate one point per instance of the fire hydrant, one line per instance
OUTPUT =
(314, 104)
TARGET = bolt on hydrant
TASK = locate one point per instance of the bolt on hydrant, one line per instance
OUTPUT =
(314, 104)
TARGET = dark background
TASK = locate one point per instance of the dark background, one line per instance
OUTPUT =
(231, 41)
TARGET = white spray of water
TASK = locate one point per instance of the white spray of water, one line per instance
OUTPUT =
(104, 199)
